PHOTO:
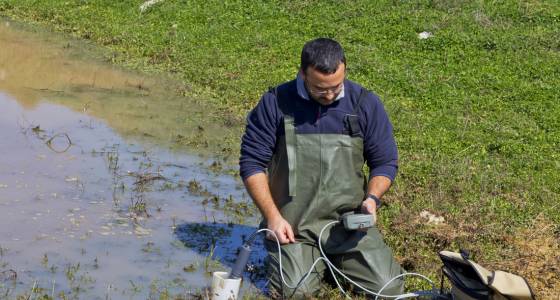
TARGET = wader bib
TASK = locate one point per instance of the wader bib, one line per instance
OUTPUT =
(314, 179)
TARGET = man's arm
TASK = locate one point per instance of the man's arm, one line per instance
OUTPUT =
(380, 150)
(257, 186)
(257, 147)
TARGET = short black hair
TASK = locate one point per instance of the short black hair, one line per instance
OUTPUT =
(323, 54)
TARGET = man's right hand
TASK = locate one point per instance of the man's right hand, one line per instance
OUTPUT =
(282, 229)
(257, 186)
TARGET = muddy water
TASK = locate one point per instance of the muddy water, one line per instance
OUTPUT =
(94, 201)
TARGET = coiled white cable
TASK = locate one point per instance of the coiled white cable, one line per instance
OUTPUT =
(333, 268)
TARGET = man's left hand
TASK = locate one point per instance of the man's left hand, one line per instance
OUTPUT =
(369, 207)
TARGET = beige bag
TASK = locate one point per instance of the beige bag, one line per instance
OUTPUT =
(470, 280)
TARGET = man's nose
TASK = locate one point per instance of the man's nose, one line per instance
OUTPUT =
(330, 96)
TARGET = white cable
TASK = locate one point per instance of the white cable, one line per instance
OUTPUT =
(403, 275)
(378, 294)
(280, 262)
(329, 264)
(308, 273)
(332, 266)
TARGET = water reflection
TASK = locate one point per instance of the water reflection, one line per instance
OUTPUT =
(42, 66)
(222, 241)
(90, 192)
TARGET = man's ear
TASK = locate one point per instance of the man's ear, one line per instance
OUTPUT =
(302, 73)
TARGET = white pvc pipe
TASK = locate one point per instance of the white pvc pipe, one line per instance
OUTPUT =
(224, 288)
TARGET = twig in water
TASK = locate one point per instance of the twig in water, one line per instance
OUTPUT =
(32, 289)
(145, 178)
(174, 165)
(107, 297)
(49, 142)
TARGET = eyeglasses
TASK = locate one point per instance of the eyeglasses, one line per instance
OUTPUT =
(324, 92)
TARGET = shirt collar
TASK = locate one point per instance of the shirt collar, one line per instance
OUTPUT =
(302, 91)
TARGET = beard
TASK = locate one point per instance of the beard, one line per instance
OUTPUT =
(324, 100)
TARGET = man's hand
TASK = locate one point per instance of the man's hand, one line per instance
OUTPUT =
(377, 186)
(257, 186)
(282, 229)
(369, 207)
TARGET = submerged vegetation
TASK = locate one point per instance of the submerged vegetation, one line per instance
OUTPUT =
(474, 102)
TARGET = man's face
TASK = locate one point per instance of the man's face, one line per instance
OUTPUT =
(324, 88)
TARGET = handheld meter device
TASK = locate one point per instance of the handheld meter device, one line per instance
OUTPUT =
(354, 221)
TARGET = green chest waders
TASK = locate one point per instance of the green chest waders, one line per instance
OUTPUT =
(314, 179)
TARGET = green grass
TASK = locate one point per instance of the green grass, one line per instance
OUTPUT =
(476, 108)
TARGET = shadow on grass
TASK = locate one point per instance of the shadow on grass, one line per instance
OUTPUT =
(221, 242)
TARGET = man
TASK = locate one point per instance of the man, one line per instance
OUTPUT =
(301, 161)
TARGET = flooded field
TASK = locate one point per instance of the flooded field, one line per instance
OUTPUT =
(98, 197)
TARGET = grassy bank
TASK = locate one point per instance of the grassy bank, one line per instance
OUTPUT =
(475, 107)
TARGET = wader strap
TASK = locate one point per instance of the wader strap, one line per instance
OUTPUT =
(352, 121)
(290, 136)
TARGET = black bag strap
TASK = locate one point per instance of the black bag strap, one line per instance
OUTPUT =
(281, 101)
(361, 98)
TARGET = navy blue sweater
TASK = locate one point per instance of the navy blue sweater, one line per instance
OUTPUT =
(265, 123)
